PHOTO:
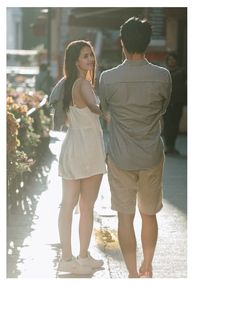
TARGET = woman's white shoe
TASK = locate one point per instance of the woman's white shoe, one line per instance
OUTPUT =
(90, 261)
(74, 266)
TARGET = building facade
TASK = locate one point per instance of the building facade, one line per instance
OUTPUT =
(49, 30)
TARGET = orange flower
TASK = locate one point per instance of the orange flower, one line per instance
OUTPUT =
(15, 107)
(9, 100)
(23, 109)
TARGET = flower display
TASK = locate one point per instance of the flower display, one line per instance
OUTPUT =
(24, 132)
(12, 132)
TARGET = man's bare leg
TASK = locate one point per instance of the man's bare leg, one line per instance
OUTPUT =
(149, 237)
(127, 240)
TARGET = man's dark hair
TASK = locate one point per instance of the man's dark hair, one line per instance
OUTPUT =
(136, 34)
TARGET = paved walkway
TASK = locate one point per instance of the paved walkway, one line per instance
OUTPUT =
(33, 240)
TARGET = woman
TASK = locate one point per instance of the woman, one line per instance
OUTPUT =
(82, 157)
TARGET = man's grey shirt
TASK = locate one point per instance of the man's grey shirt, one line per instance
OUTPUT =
(136, 93)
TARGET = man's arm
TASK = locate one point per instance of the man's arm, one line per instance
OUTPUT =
(103, 99)
(102, 95)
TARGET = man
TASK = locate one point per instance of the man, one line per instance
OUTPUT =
(135, 94)
(178, 99)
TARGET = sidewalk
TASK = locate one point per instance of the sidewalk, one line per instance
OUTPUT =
(33, 240)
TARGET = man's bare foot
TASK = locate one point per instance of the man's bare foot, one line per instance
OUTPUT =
(145, 272)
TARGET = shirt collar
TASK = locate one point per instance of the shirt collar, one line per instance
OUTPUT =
(135, 62)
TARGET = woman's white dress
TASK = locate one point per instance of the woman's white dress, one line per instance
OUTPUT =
(82, 152)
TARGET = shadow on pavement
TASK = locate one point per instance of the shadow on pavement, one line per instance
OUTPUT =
(21, 205)
(175, 177)
(71, 275)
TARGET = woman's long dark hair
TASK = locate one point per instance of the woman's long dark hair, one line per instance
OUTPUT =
(70, 70)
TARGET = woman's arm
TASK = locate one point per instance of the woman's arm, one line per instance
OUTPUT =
(89, 97)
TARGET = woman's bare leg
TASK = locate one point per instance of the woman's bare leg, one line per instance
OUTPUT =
(71, 189)
(88, 194)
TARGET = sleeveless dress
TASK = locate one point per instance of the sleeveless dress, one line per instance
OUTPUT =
(82, 152)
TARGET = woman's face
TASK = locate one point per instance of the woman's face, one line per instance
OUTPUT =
(86, 59)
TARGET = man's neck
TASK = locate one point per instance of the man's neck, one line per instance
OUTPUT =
(135, 57)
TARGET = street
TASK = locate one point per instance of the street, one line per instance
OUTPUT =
(33, 240)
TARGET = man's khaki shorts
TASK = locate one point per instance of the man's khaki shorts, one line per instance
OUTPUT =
(145, 186)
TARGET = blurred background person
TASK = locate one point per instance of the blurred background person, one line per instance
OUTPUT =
(44, 81)
(178, 99)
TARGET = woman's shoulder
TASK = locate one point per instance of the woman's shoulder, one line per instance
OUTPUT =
(83, 84)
